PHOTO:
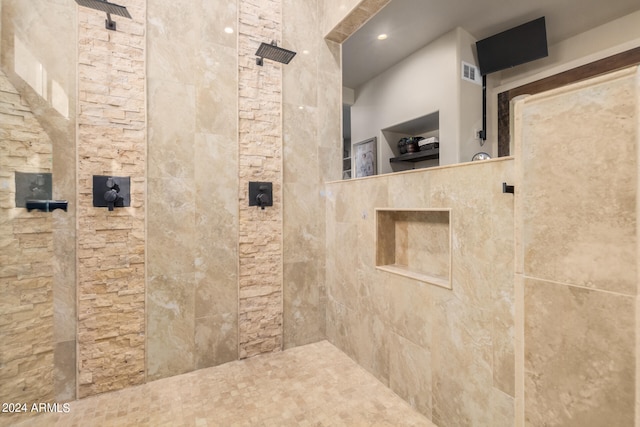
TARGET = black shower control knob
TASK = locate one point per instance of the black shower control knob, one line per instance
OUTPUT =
(263, 199)
(111, 195)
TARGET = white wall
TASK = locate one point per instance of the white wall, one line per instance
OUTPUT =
(427, 81)
(470, 102)
(423, 83)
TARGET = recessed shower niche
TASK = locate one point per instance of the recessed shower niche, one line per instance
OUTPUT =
(415, 243)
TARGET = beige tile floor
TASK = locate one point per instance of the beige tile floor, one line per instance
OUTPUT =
(312, 385)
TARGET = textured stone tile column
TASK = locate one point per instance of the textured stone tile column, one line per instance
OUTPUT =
(111, 140)
(26, 253)
(260, 159)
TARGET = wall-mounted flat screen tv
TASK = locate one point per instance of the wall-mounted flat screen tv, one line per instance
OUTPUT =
(516, 46)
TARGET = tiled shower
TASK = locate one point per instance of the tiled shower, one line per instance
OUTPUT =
(189, 276)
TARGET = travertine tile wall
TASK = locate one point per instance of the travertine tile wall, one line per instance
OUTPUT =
(194, 180)
(450, 353)
(26, 259)
(208, 186)
(111, 245)
(311, 156)
(192, 233)
(577, 259)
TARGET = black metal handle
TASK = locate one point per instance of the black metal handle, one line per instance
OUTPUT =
(508, 188)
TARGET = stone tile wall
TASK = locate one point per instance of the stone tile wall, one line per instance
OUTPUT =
(311, 152)
(192, 261)
(260, 159)
(111, 140)
(202, 161)
(26, 259)
(448, 352)
(577, 260)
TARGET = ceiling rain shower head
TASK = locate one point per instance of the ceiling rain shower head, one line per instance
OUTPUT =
(273, 52)
(109, 8)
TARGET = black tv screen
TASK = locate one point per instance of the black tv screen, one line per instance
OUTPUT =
(513, 47)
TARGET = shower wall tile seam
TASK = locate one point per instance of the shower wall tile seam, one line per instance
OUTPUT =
(238, 157)
(77, 207)
(281, 181)
(573, 285)
(145, 198)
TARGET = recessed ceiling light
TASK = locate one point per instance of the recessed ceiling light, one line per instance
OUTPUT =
(306, 52)
(228, 30)
(382, 36)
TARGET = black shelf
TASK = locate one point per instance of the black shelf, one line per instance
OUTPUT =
(418, 156)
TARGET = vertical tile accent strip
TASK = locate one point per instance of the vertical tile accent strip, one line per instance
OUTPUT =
(111, 140)
(260, 159)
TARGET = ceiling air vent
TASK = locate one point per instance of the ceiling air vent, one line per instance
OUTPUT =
(471, 73)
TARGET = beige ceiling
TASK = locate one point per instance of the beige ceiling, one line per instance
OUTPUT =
(411, 24)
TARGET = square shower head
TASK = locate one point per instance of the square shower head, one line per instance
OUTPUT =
(105, 6)
(275, 53)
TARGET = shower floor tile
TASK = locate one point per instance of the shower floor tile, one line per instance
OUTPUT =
(312, 385)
